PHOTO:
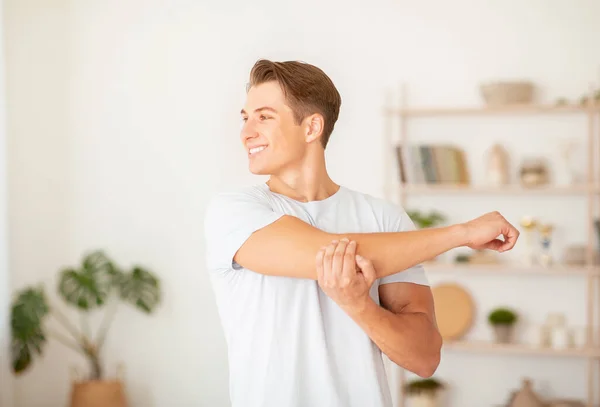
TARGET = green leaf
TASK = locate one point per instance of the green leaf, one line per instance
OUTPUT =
(21, 356)
(141, 289)
(27, 313)
(88, 287)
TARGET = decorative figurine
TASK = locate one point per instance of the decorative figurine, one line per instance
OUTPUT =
(567, 150)
(529, 224)
(545, 238)
(497, 166)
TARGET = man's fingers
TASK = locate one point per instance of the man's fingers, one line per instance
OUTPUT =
(367, 268)
(327, 261)
(495, 244)
(511, 238)
(510, 234)
(349, 269)
(338, 258)
(319, 263)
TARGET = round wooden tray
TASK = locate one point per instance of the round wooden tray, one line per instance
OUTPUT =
(454, 310)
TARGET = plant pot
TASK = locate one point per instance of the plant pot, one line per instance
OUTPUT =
(424, 400)
(503, 333)
(98, 393)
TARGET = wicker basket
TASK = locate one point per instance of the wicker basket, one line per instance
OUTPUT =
(507, 93)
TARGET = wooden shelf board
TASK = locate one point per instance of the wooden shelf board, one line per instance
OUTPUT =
(518, 349)
(508, 268)
(492, 110)
(509, 189)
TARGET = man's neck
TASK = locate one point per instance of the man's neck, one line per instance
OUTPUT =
(303, 188)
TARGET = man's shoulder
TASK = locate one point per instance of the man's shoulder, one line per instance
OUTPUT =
(249, 193)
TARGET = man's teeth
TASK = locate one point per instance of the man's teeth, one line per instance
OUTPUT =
(256, 149)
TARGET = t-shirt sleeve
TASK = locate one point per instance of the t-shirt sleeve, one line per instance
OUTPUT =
(401, 222)
(230, 219)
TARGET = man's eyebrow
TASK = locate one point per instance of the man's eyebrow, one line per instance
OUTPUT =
(260, 109)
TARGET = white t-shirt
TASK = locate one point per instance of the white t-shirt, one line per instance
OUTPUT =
(289, 344)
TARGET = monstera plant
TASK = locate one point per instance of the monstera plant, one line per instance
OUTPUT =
(96, 283)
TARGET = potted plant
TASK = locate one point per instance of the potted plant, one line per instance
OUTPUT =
(426, 220)
(503, 321)
(424, 392)
(95, 284)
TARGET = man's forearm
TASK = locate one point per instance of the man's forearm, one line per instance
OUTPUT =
(393, 252)
(411, 340)
(288, 248)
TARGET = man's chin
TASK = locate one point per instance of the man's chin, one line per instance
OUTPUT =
(258, 171)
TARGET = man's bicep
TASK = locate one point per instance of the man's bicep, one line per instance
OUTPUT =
(286, 247)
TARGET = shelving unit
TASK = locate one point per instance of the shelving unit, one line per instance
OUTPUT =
(589, 190)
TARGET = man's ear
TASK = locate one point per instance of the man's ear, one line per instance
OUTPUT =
(314, 127)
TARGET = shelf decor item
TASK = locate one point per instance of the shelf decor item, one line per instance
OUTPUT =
(534, 172)
(526, 396)
(454, 310)
(545, 231)
(567, 150)
(96, 283)
(503, 93)
(503, 321)
(529, 224)
(424, 392)
(497, 166)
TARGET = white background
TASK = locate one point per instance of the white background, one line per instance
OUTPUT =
(123, 120)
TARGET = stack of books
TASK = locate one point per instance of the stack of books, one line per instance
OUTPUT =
(432, 164)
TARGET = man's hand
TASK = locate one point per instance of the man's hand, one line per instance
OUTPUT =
(344, 276)
(483, 233)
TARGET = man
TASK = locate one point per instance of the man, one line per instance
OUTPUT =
(313, 280)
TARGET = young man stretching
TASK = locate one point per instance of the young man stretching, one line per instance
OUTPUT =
(313, 280)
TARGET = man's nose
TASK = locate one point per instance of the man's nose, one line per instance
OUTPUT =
(248, 131)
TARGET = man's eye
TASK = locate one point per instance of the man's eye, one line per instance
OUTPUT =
(263, 117)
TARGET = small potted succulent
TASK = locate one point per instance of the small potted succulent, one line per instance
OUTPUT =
(424, 392)
(503, 321)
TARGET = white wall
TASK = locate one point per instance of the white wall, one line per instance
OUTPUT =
(6, 389)
(123, 121)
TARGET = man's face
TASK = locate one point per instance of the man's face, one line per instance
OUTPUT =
(269, 134)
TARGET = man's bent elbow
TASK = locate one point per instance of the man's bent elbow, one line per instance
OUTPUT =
(428, 366)
(431, 359)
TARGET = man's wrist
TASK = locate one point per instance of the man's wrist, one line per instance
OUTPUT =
(459, 234)
(360, 308)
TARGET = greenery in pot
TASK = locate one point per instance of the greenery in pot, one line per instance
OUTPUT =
(502, 316)
(426, 220)
(427, 386)
(98, 282)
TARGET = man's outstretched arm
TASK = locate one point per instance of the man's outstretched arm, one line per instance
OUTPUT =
(287, 246)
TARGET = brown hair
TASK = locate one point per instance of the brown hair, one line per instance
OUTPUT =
(307, 90)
